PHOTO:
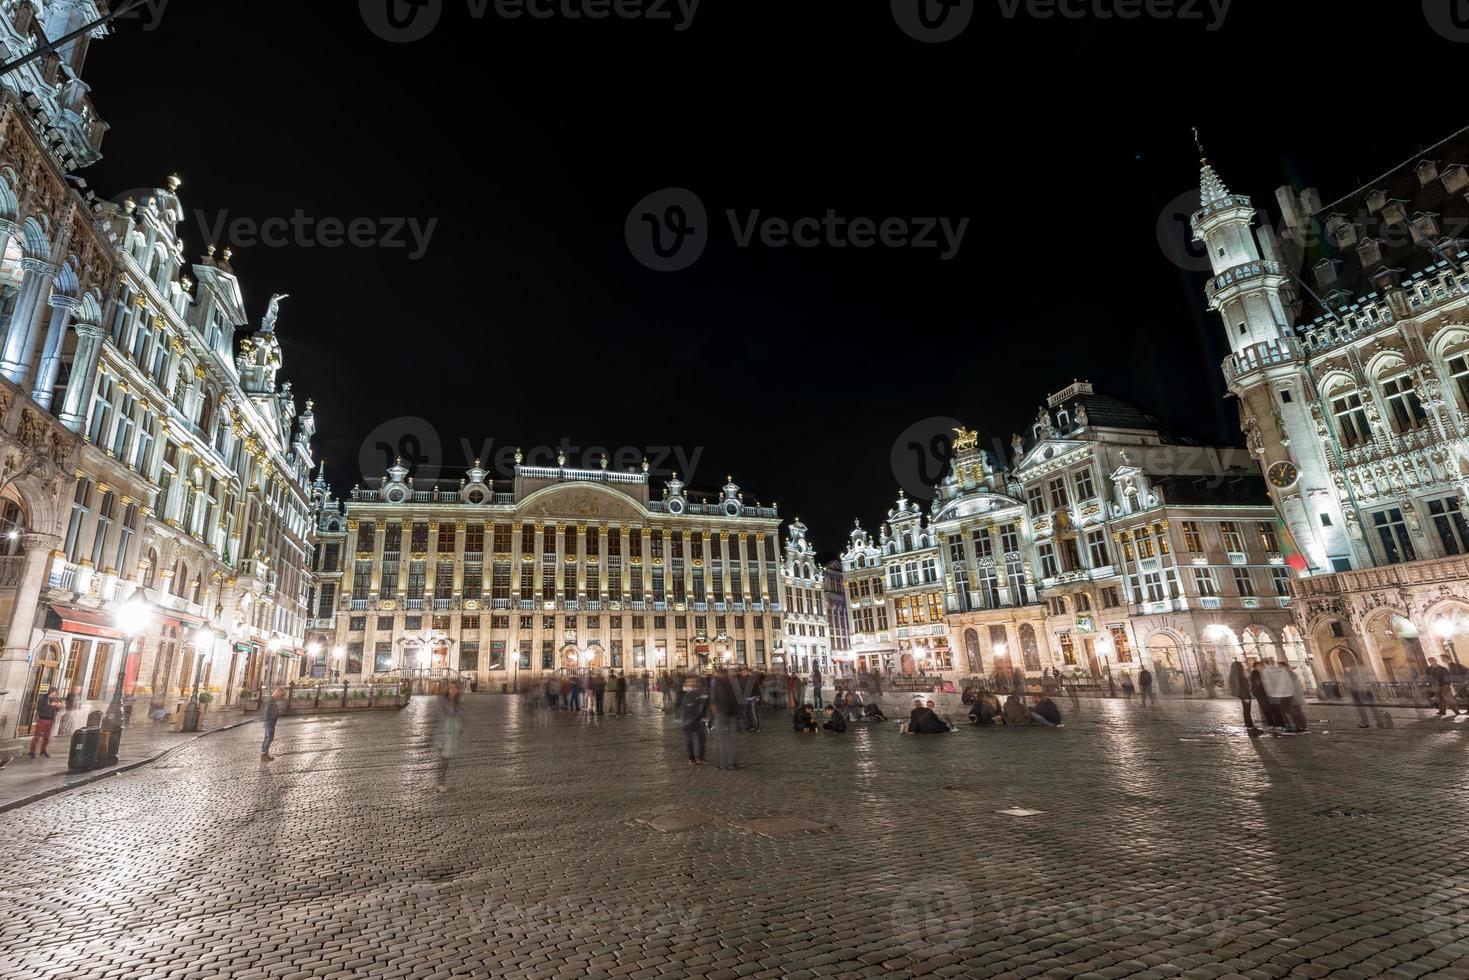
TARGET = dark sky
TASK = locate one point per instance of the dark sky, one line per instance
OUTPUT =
(528, 320)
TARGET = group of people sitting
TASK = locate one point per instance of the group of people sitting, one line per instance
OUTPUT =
(986, 711)
(804, 718)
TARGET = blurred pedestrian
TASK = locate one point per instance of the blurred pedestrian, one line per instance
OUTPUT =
(619, 687)
(1145, 684)
(45, 719)
(1362, 697)
(451, 722)
(270, 713)
(1127, 687)
(1239, 688)
(693, 707)
(725, 705)
(1440, 688)
(599, 689)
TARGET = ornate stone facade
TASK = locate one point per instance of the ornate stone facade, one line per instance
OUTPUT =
(1349, 335)
(558, 570)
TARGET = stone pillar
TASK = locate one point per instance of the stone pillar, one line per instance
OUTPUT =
(15, 657)
(15, 357)
(61, 311)
(83, 381)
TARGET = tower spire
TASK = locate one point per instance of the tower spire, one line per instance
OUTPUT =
(1211, 187)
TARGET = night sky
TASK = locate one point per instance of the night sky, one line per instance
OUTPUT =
(528, 142)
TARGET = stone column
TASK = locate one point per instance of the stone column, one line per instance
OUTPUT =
(83, 381)
(61, 311)
(15, 657)
(15, 357)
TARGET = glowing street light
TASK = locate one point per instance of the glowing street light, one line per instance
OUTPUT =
(203, 643)
(132, 618)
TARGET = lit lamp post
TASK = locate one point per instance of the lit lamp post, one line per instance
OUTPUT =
(339, 661)
(273, 647)
(314, 650)
(1445, 629)
(131, 619)
(203, 643)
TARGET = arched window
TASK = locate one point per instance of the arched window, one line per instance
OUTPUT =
(180, 578)
(197, 593)
(1029, 649)
(12, 529)
(1351, 416)
(150, 570)
(971, 651)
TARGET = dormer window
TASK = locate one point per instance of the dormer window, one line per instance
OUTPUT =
(1427, 170)
(1036, 430)
(1455, 178)
(1063, 419)
(1425, 226)
(1375, 201)
(1369, 252)
(1394, 213)
(1343, 233)
(1325, 272)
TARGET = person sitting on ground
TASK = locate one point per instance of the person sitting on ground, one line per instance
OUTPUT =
(872, 711)
(923, 720)
(1045, 713)
(982, 712)
(1014, 712)
(969, 696)
(803, 721)
(835, 720)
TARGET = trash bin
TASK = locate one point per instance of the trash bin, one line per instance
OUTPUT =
(84, 743)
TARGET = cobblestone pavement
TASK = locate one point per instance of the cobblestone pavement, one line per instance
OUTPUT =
(1168, 845)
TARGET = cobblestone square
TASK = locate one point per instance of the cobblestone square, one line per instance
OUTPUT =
(1167, 844)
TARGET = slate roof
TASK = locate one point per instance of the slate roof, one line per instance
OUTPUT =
(1229, 489)
(1401, 250)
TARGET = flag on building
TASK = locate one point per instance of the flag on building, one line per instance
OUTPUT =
(1288, 550)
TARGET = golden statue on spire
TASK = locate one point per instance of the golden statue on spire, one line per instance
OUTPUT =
(965, 439)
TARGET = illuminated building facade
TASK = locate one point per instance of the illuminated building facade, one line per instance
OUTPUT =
(143, 456)
(1350, 360)
(558, 569)
(1102, 545)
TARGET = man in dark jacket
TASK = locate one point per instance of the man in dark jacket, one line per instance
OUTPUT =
(1045, 713)
(620, 685)
(693, 706)
(835, 720)
(923, 720)
(1440, 688)
(1145, 684)
(802, 721)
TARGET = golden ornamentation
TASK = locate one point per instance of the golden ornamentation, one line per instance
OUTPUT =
(964, 439)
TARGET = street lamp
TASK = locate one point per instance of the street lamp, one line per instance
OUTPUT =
(339, 659)
(131, 619)
(203, 643)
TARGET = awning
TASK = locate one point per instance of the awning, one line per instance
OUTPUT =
(86, 622)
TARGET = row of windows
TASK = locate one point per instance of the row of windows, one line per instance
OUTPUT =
(1060, 490)
(471, 622)
(572, 539)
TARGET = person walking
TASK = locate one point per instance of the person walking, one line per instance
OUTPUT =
(270, 714)
(1282, 688)
(693, 708)
(1128, 690)
(816, 685)
(1262, 700)
(45, 719)
(553, 692)
(725, 704)
(1145, 685)
(1440, 687)
(451, 722)
(1363, 698)
(599, 689)
(619, 688)
(1239, 687)
(68, 718)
